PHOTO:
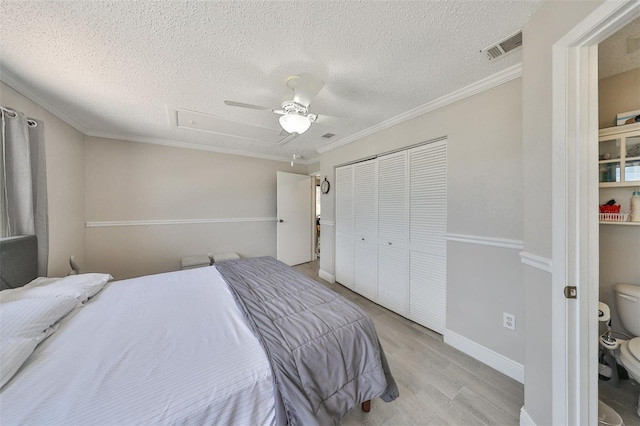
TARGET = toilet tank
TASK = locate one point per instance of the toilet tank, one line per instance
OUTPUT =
(628, 303)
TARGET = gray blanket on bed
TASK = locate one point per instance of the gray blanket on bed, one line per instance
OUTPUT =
(323, 349)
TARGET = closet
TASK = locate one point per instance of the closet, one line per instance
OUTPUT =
(391, 220)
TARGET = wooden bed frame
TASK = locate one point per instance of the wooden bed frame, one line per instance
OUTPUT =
(18, 261)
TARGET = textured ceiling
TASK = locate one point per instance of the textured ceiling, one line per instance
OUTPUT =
(613, 57)
(113, 67)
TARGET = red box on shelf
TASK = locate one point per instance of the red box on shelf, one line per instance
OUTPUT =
(605, 208)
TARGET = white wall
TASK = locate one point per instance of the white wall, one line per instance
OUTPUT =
(552, 21)
(128, 181)
(65, 181)
(484, 185)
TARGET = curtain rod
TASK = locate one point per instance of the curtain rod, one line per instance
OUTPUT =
(13, 114)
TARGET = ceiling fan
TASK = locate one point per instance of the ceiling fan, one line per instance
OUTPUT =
(295, 117)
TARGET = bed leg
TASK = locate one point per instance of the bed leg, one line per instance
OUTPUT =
(366, 406)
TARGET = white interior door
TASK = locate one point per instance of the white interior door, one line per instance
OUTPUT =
(344, 254)
(427, 229)
(295, 226)
(366, 229)
(393, 287)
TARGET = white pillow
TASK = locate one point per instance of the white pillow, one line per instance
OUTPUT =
(13, 353)
(33, 317)
(82, 287)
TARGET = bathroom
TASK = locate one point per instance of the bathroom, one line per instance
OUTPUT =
(619, 91)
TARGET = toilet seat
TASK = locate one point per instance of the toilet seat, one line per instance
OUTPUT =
(630, 356)
(634, 347)
(607, 416)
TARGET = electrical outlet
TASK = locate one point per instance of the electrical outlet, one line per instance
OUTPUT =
(509, 321)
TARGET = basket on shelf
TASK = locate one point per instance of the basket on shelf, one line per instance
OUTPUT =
(610, 212)
(614, 217)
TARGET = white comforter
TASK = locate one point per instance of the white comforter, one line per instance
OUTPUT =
(162, 349)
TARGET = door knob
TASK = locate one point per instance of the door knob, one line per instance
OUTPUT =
(280, 220)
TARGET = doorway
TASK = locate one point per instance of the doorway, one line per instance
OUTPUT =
(294, 236)
(618, 92)
(575, 220)
(317, 216)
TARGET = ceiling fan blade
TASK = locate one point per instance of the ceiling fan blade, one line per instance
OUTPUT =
(243, 105)
(287, 139)
(305, 87)
(330, 120)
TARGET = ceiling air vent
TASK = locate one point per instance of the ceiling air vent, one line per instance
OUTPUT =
(327, 135)
(500, 49)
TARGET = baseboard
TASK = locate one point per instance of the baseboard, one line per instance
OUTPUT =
(525, 418)
(327, 276)
(493, 359)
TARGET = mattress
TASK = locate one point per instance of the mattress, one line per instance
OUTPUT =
(162, 349)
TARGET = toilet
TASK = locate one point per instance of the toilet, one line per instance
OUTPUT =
(628, 303)
(607, 416)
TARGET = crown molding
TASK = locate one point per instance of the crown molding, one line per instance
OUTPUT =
(16, 83)
(494, 80)
(504, 76)
(188, 145)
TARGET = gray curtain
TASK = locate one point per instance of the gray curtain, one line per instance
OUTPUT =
(24, 179)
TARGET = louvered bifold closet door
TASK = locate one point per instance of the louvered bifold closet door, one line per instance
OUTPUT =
(427, 229)
(392, 232)
(344, 226)
(366, 229)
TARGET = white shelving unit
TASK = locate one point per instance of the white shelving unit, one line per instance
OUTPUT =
(619, 161)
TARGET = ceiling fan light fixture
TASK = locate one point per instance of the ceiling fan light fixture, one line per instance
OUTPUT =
(294, 123)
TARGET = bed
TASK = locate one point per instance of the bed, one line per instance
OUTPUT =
(244, 342)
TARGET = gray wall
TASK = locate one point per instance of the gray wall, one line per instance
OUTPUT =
(97, 180)
(65, 181)
(128, 181)
(484, 185)
(552, 21)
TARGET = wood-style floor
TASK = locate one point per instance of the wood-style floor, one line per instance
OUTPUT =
(439, 385)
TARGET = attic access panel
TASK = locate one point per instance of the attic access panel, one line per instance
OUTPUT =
(195, 120)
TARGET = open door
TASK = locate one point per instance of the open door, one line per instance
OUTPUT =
(575, 221)
(295, 201)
